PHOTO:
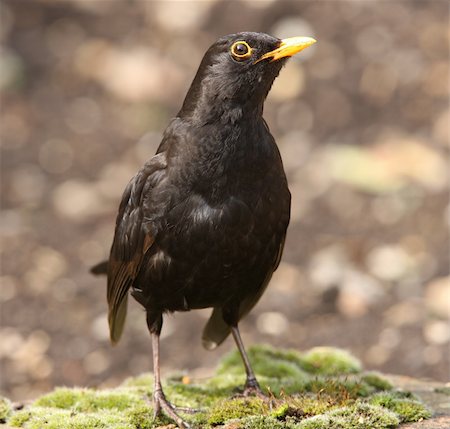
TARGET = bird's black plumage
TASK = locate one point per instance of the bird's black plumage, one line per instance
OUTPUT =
(203, 223)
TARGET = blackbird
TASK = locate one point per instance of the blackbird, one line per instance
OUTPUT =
(203, 223)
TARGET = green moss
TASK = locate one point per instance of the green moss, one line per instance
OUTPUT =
(408, 409)
(320, 389)
(377, 381)
(311, 405)
(342, 389)
(52, 418)
(366, 415)
(280, 412)
(88, 400)
(320, 421)
(284, 386)
(260, 422)
(195, 395)
(227, 381)
(5, 409)
(330, 361)
(236, 408)
(144, 380)
(61, 398)
(357, 416)
(141, 417)
(277, 370)
(265, 361)
(19, 418)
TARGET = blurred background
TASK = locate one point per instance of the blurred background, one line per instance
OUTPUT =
(362, 121)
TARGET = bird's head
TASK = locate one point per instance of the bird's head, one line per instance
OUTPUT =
(237, 72)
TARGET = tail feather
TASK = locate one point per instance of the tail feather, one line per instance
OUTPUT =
(100, 269)
(117, 321)
(118, 314)
(216, 330)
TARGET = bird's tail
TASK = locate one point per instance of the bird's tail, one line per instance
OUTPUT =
(118, 311)
(216, 330)
(100, 268)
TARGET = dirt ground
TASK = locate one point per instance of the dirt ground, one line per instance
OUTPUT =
(361, 120)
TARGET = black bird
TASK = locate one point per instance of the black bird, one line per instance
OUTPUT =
(203, 223)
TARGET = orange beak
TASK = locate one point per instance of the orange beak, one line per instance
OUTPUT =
(288, 47)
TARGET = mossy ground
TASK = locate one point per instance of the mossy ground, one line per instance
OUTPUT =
(322, 389)
(5, 409)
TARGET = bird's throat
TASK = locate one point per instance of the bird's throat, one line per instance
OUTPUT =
(228, 111)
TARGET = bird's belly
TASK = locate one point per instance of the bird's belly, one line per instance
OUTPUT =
(210, 255)
(209, 279)
(207, 276)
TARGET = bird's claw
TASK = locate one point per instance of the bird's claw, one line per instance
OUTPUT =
(252, 388)
(188, 410)
(254, 391)
(161, 403)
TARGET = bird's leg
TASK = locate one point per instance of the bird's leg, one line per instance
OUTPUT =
(157, 388)
(251, 384)
(159, 399)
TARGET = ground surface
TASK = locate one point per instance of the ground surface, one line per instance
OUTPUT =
(362, 124)
(435, 395)
(323, 388)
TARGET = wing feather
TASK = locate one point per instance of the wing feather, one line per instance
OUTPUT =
(134, 236)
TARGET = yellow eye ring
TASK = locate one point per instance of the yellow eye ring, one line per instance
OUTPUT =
(241, 50)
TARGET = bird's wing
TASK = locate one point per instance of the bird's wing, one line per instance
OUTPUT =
(134, 236)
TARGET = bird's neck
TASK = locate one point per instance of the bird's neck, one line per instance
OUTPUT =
(222, 111)
(206, 103)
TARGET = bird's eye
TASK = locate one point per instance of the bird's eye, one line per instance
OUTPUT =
(241, 50)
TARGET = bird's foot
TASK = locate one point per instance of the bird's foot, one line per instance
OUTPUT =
(252, 388)
(188, 410)
(161, 403)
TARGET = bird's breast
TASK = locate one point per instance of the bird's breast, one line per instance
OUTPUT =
(224, 225)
